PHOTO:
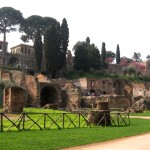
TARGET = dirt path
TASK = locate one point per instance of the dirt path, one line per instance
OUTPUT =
(138, 142)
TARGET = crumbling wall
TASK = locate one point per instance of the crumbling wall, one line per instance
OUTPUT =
(73, 96)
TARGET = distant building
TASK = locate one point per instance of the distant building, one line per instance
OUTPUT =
(22, 56)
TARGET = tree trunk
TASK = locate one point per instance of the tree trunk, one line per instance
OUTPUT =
(4, 50)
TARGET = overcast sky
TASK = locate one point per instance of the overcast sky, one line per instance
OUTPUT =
(123, 22)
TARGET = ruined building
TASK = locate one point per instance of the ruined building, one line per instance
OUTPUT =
(18, 90)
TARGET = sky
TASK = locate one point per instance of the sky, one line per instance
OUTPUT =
(123, 22)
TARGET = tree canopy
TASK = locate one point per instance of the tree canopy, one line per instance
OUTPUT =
(9, 17)
(86, 57)
(137, 56)
(110, 54)
(38, 46)
(35, 23)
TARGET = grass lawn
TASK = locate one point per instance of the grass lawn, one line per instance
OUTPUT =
(145, 113)
(56, 139)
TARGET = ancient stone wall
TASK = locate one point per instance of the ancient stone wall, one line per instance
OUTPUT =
(101, 86)
(114, 69)
(71, 96)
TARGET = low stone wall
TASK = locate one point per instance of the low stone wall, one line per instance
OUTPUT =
(120, 102)
(113, 101)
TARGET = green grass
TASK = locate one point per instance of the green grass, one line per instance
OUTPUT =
(53, 139)
(82, 74)
(145, 113)
(57, 139)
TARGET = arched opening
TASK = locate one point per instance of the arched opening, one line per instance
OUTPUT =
(49, 95)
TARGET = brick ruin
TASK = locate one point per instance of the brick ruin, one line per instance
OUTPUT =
(18, 90)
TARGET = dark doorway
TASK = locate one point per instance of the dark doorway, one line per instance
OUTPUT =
(92, 91)
(49, 95)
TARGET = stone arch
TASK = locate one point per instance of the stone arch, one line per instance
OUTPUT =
(48, 95)
(14, 99)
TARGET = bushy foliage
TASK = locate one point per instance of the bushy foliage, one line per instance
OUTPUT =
(86, 57)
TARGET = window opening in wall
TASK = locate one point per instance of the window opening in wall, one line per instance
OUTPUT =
(25, 50)
(104, 92)
(104, 82)
(21, 50)
(28, 51)
(92, 92)
(0, 47)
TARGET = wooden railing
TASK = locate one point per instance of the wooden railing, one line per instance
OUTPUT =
(34, 121)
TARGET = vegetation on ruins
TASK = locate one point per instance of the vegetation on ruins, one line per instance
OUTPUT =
(38, 47)
(87, 56)
(9, 18)
(117, 55)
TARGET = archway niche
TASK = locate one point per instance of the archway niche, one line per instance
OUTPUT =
(48, 95)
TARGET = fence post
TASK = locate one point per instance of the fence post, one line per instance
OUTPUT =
(128, 119)
(63, 120)
(1, 122)
(23, 120)
(79, 120)
(118, 119)
(44, 120)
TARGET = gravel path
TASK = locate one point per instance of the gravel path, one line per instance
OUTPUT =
(138, 142)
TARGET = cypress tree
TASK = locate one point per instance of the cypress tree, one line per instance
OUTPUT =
(117, 55)
(103, 55)
(38, 50)
(64, 31)
(52, 50)
(87, 40)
